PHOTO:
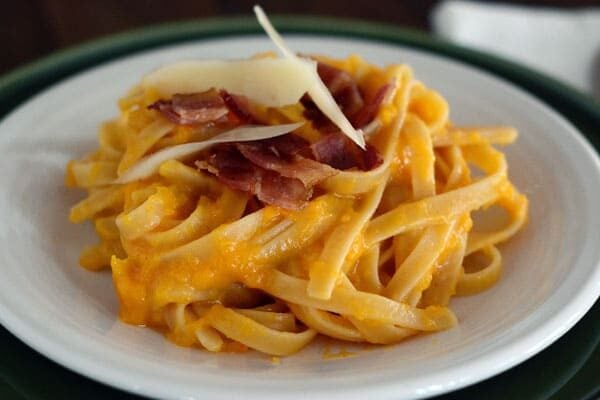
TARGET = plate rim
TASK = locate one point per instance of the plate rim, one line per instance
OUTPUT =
(74, 59)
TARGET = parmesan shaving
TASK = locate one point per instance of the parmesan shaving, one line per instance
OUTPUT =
(275, 37)
(270, 82)
(317, 90)
(148, 165)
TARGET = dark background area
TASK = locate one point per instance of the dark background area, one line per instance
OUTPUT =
(30, 29)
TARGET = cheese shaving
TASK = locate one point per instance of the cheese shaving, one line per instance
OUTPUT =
(150, 164)
(317, 90)
(270, 82)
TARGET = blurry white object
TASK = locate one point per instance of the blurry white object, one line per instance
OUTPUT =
(562, 43)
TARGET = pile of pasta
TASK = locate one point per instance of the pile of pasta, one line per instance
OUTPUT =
(374, 256)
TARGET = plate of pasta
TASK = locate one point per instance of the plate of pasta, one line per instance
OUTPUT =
(315, 216)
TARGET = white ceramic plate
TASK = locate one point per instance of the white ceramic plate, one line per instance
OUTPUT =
(551, 279)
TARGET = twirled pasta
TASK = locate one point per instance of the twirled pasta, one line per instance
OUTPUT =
(375, 256)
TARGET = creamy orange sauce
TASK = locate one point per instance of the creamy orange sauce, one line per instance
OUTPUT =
(148, 280)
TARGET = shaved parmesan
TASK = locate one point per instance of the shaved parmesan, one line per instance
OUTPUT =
(273, 82)
(150, 164)
(317, 90)
(270, 30)
(319, 93)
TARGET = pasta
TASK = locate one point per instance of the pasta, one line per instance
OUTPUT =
(372, 253)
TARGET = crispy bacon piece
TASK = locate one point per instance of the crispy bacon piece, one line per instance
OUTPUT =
(237, 172)
(282, 171)
(191, 109)
(266, 156)
(231, 168)
(205, 107)
(284, 192)
(239, 107)
(368, 112)
(337, 150)
(371, 158)
(342, 87)
(287, 145)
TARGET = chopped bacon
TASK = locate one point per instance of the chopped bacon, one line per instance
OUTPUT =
(231, 168)
(342, 87)
(308, 171)
(284, 192)
(371, 158)
(287, 145)
(237, 172)
(191, 109)
(337, 150)
(368, 112)
(205, 107)
(239, 107)
(282, 171)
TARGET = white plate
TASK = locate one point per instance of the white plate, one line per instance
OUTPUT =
(551, 279)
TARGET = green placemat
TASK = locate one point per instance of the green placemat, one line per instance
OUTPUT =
(569, 369)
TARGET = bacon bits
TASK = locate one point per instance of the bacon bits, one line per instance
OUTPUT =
(342, 87)
(239, 173)
(283, 171)
(368, 112)
(308, 171)
(239, 107)
(339, 152)
(204, 107)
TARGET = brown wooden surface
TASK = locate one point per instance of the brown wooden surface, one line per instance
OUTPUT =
(30, 29)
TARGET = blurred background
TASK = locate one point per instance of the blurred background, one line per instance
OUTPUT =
(560, 29)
